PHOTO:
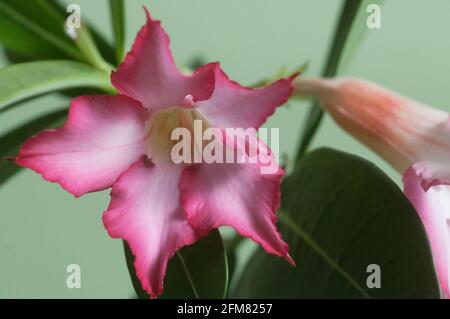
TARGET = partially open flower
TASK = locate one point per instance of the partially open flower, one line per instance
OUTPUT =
(414, 138)
(124, 142)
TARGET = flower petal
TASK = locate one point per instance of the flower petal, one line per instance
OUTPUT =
(433, 207)
(234, 106)
(102, 137)
(149, 74)
(145, 211)
(237, 195)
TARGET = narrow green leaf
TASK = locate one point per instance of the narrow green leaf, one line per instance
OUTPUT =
(341, 214)
(310, 126)
(87, 46)
(90, 42)
(36, 30)
(231, 246)
(7, 171)
(356, 35)
(25, 80)
(83, 39)
(11, 141)
(349, 34)
(33, 32)
(118, 22)
(196, 271)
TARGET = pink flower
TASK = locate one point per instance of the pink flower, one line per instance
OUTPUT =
(412, 137)
(124, 142)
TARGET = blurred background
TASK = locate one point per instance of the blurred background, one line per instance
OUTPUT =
(43, 228)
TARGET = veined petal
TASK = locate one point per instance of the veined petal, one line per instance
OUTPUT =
(239, 195)
(433, 207)
(234, 106)
(403, 131)
(145, 211)
(149, 74)
(102, 137)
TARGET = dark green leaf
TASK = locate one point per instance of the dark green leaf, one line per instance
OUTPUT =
(231, 246)
(11, 141)
(35, 30)
(88, 31)
(25, 80)
(197, 271)
(7, 170)
(140, 292)
(341, 214)
(32, 29)
(118, 23)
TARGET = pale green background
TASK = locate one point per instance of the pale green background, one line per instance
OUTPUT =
(43, 228)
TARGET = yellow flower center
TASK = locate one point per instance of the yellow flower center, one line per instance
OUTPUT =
(163, 123)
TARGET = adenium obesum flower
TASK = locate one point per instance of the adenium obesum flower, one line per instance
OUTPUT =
(124, 142)
(412, 137)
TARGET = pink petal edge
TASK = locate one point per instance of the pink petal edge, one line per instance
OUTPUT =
(234, 106)
(145, 211)
(149, 74)
(102, 137)
(235, 195)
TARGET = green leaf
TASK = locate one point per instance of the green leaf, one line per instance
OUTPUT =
(89, 41)
(356, 35)
(140, 292)
(197, 271)
(341, 214)
(11, 141)
(118, 22)
(25, 80)
(36, 30)
(231, 247)
(33, 31)
(348, 36)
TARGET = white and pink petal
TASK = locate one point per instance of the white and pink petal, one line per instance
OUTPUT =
(240, 195)
(145, 211)
(149, 74)
(102, 137)
(234, 106)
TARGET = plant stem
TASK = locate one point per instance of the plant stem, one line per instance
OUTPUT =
(347, 15)
(89, 49)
